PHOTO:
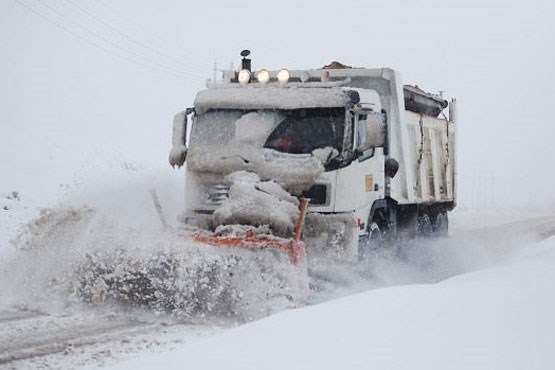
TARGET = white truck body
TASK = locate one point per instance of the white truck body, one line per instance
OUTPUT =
(394, 168)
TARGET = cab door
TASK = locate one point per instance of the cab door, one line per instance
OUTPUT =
(363, 181)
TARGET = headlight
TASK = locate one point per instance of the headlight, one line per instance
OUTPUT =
(244, 77)
(263, 76)
(283, 76)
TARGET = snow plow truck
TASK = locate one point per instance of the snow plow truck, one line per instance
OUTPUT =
(373, 158)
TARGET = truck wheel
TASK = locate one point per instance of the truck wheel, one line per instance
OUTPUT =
(374, 240)
(441, 225)
(424, 229)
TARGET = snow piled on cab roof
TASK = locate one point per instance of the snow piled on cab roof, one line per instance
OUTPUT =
(269, 98)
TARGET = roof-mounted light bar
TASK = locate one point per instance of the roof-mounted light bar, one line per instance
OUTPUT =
(244, 77)
(263, 76)
(283, 76)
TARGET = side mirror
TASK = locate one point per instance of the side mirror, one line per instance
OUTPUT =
(375, 130)
(178, 153)
(371, 132)
(391, 167)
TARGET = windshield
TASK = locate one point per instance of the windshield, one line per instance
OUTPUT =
(298, 131)
(223, 127)
(288, 146)
(303, 130)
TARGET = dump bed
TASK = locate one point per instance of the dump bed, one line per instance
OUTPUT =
(431, 157)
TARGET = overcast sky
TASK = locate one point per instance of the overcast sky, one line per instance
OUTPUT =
(105, 69)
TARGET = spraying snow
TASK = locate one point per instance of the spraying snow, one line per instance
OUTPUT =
(99, 247)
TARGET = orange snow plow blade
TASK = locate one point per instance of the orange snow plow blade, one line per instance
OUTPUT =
(294, 247)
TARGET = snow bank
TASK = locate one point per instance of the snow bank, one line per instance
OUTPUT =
(500, 318)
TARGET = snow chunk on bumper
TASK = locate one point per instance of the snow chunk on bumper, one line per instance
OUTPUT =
(255, 202)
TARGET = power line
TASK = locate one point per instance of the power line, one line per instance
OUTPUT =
(127, 50)
(146, 31)
(128, 37)
(99, 46)
(79, 36)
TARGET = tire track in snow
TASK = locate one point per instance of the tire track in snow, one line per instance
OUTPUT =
(537, 228)
(505, 238)
(25, 335)
(8, 316)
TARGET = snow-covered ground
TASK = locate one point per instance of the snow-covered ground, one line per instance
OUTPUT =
(497, 318)
(480, 299)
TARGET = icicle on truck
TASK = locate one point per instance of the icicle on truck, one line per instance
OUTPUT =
(376, 160)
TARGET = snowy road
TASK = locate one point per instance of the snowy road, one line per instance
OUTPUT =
(30, 339)
(28, 334)
(35, 339)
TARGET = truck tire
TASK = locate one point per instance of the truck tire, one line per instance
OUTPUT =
(441, 225)
(424, 228)
(374, 240)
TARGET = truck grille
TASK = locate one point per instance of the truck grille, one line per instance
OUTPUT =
(217, 194)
